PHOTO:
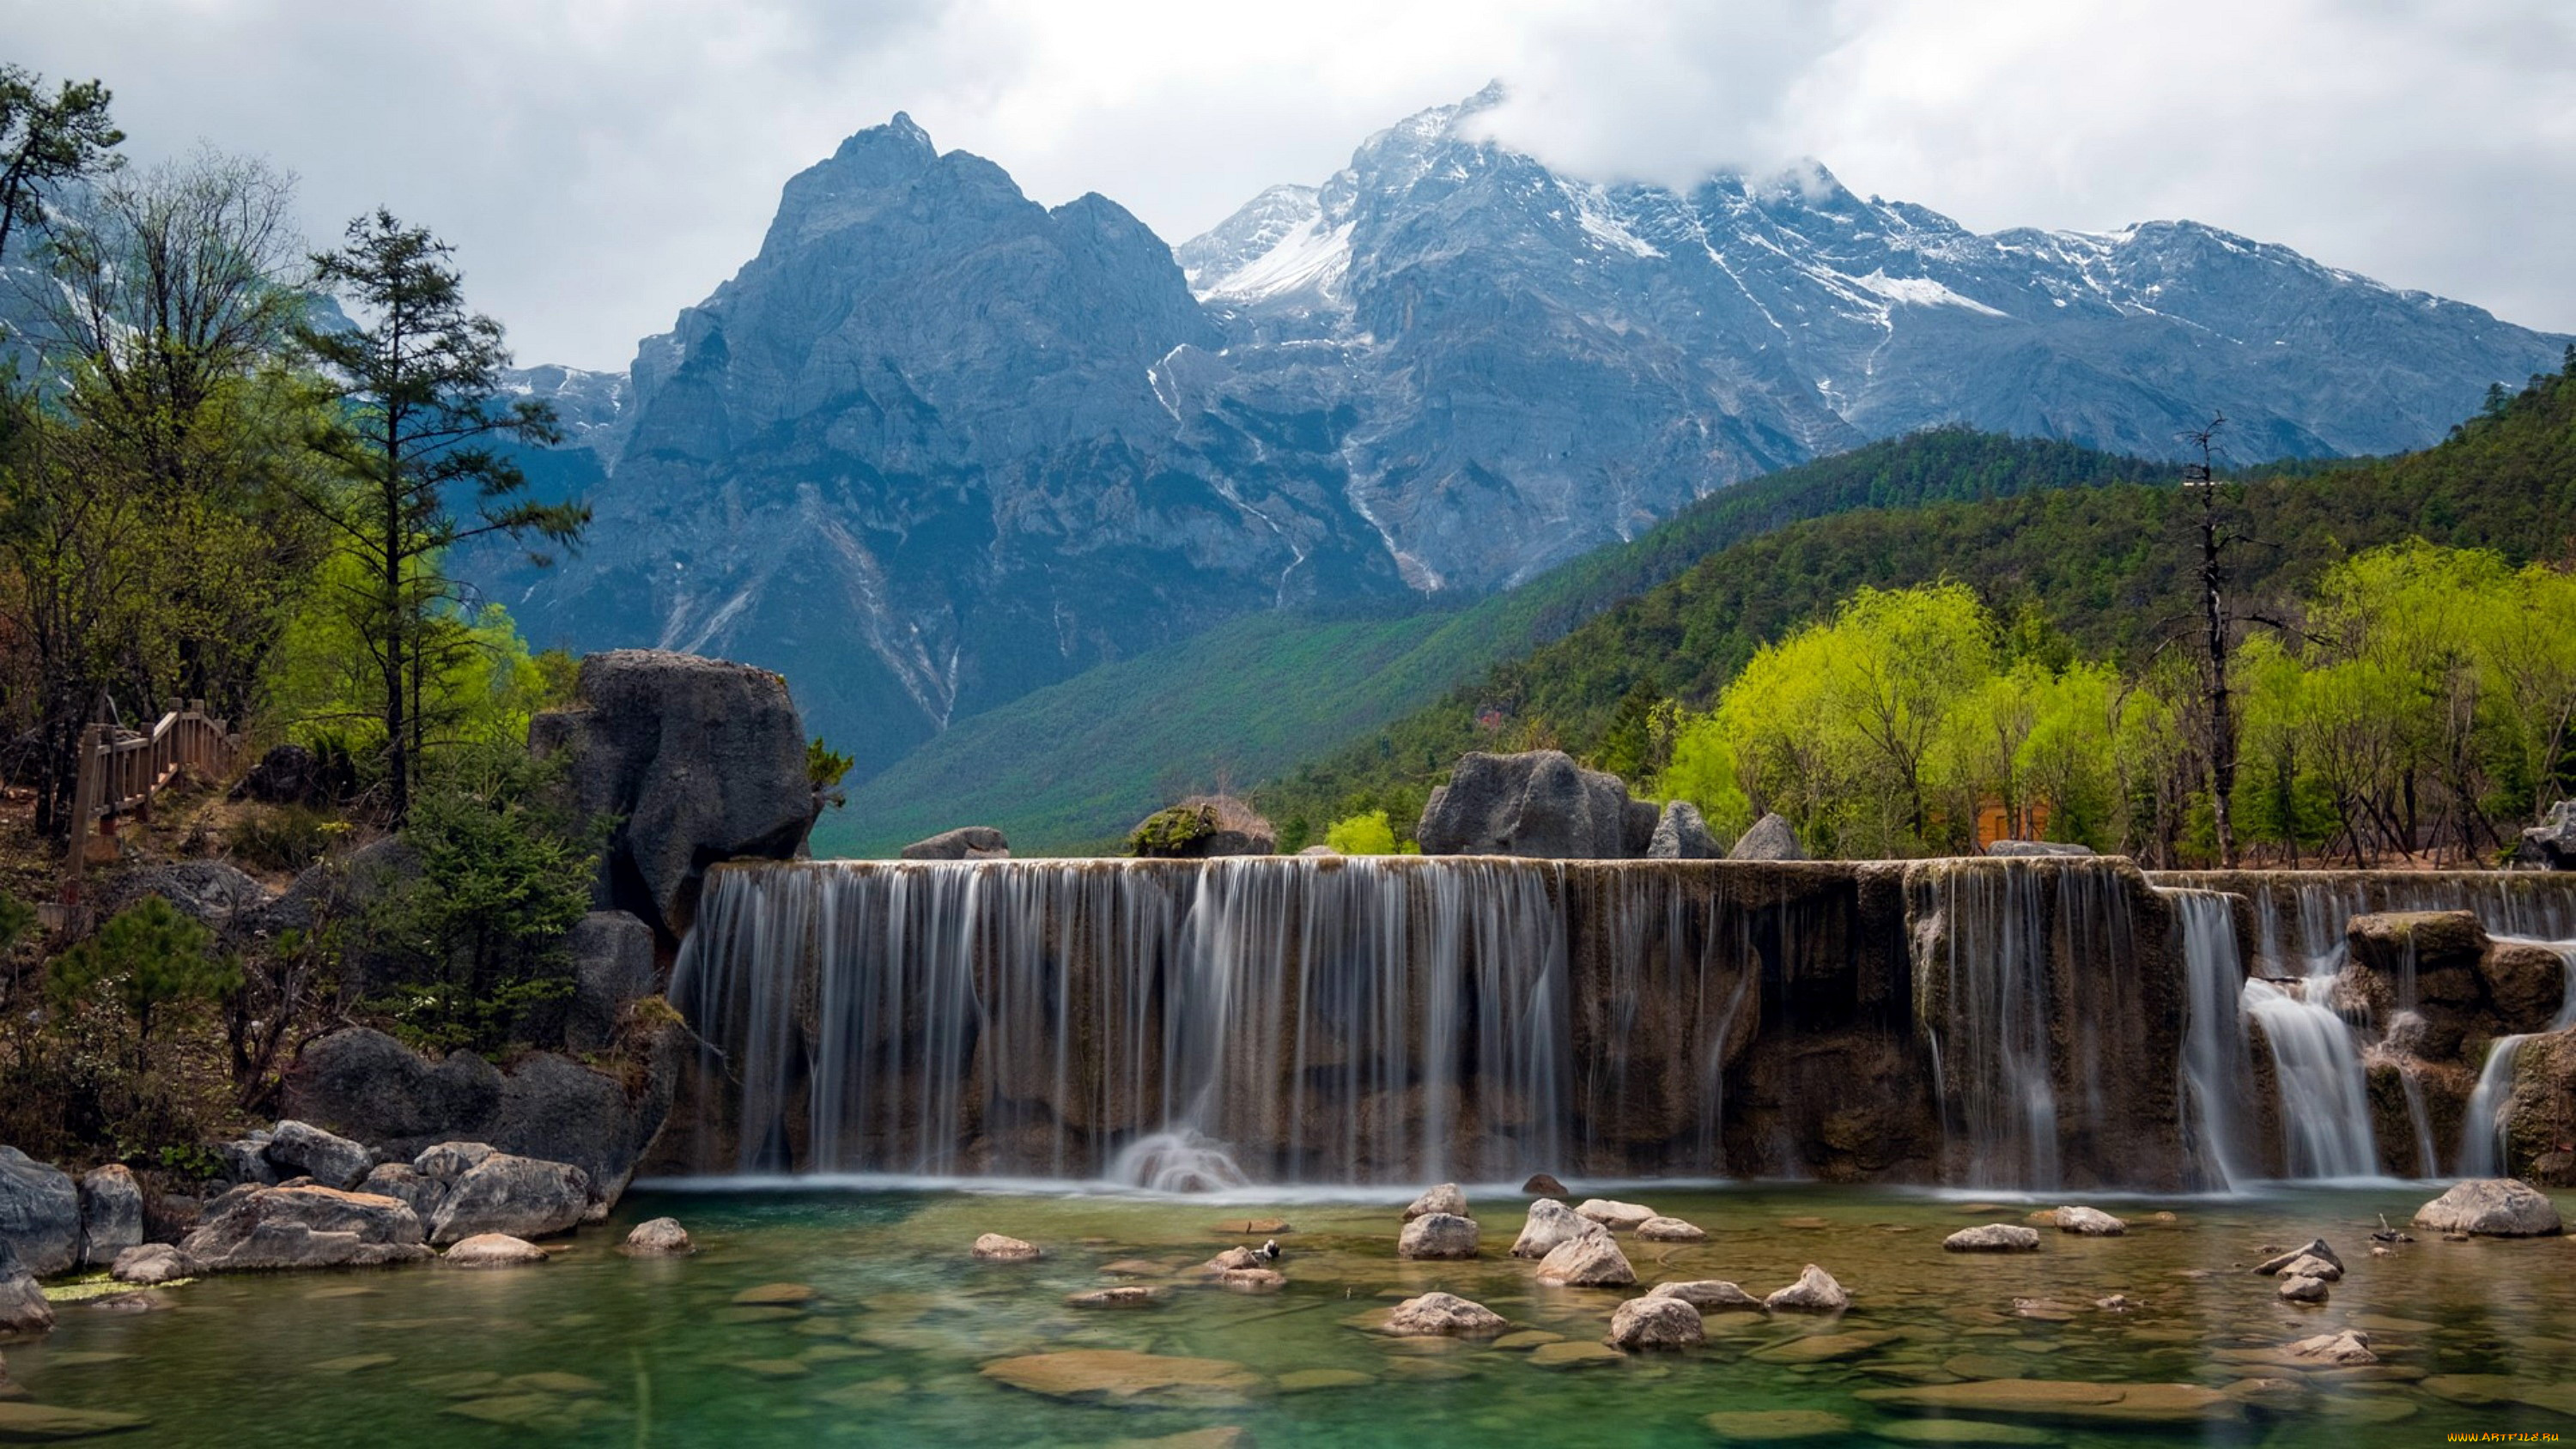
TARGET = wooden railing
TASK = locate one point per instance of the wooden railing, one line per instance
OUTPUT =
(121, 770)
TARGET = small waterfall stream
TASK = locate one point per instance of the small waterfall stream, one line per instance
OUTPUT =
(2482, 1127)
(2217, 1061)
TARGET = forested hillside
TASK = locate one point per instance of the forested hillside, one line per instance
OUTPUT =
(1073, 765)
(2102, 571)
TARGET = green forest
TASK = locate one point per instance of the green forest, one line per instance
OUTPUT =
(2107, 576)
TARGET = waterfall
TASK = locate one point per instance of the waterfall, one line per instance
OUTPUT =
(2217, 1063)
(2325, 1102)
(2482, 1128)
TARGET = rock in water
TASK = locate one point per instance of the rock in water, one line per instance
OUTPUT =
(1709, 1295)
(1617, 1216)
(2496, 1207)
(1592, 1261)
(660, 1237)
(2302, 1290)
(2349, 1348)
(1541, 1184)
(1550, 1223)
(1443, 1313)
(1230, 1260)
(995, 1248)
(149, 1264)
(519, 1196)
(2316, 1248)
(1814, 1292)
(299, 1149)
(23, 1308)
(40, 1213)
(1539, 804)
(494, 1250)
(1771, 838)
(2309, 1265)
(304, 1227)
(966, 842)
(1438, 1235)
(1446, 1198)
(1681, 834)
(694, 760)
(1251, 1280)
(111, 1214)
(1993, 1238)
(2089, 1223)
(1661, 1229)
(1651, 1322)
(1129, 1295)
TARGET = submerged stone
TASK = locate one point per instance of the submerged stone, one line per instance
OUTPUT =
(1121, 1375)
(2066, 1401)
(1575, 1353)
(1777, 1426)
(1443, 1313)
(1825, 1347)
(1709, 1295)
(1960, 1431)
(1129, 1296)
(661, 1237)
(1993, 1238)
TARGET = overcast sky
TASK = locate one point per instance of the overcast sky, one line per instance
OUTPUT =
(602, 163)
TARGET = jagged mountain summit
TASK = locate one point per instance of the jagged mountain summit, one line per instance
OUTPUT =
(937, 445)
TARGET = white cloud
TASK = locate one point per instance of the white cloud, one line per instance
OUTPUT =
(602, 163)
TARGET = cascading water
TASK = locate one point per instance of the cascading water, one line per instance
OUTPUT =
(2217, 1063)
(2482, 1128)
(2325, 1100)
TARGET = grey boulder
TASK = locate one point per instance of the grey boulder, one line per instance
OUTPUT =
(1540, 804)
(255, 1228)
(493, 1250)
(1438, 1236)
(1681, 833)
(1709, 1295)
(1587, 1262)
(2551, 845)
(659, 1238)
(966, 842)
(694, 760)
(2496, 1207)
(1771, 838)
(405, 1184)
(612, 964)
(2037, 850)
(1993, 1238)
(1446, 1198)
(1651, 1323)
(1442, 1314)
(151, 1264)
(1549, 1224)
(1814, 1292)
(517, 1196)
(111, 1213)
(23, 1308)
(300, 1149)
(40, 1215)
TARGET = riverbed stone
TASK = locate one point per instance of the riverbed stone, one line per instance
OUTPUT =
(39, 1213)
(519, 1196)
(1446, 1198)
(995, 1248)
(2302, 1290)
(2348, 1348)
(1814, 1292)
(1993, 1238)
(2316, 1248)
(1587, 1262)
(2089, 1223)
(150, 1264)
(1826, 1347)
(1709, 1295)
(2498, 1207)
(493, 1250)
(1777, 1426)
(111, 1213)
(26, 1423)
(659, 1238)
(1654, 1323)
(1575, 1353)
(1616, 1216)
(260, 1228)
(1127, 1295)
(1443, 1314)
(1438, 1236)
(2062, 1400)
(23, 1308)
(1661, 1229)
(1123, 1376)
(300, 1149)
(2309, 1265)
(1231, 1260)
(1549, 1224)
(1251, 1280)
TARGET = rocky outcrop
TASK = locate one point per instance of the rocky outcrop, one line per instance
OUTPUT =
(1654, 1323)
(1771, 838)
(1993, 1238)
(2498, 1207)
(1681, 834)
(366, 1086)
(40, 1217)
(966, 842)
(612, 965)
(695, 760)
(216, 895)
(405, 1184)
(23, 1308)
(2461, 986)
(1438, 1236)
(1443, 1315)
(2551, 845)
(1540, 804)
(519, 1196)
(111, 1204)
(299, 1149)
(256, 1228)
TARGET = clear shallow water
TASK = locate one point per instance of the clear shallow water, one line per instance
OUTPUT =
(658, 1353)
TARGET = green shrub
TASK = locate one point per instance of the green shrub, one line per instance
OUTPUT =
(1171, 831)
(150, 958)
(283, 837)
(1364, 834)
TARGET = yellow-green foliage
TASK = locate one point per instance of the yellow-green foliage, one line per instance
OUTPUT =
(1365, 834)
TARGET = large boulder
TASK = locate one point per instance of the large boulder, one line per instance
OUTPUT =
(149, 1265)
(966, 842)
(300, 1149)
(286, 775)
(1681, 833)
(111, 1204)
(1771, 838)
(1438, 1235)
(695, 760)
(40, 1217)
(517, 1196)
(23, 1308)
(367, 1086)
(255, 1228)
(405, 1184)
(612, 964)
(220, 897)
(2496, 1207)
(1202, 827)
(1540, 804)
